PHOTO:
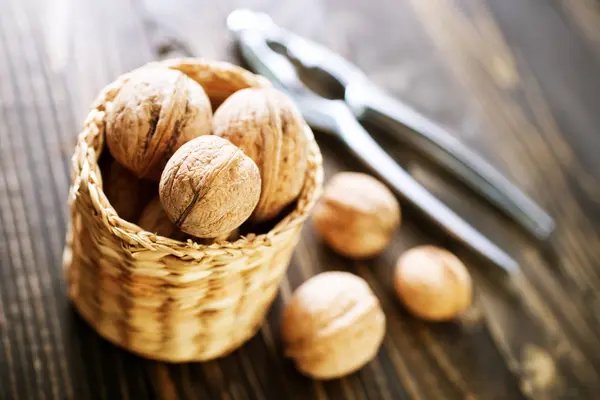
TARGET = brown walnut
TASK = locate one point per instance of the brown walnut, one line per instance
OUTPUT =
(209, 187)
(333, 325)
(126, 192)
(155, 112)
(154, 219)
(433, 283)
(357, 215)
(268, 127)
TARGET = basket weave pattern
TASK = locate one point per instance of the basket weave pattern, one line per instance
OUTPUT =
(158, 297)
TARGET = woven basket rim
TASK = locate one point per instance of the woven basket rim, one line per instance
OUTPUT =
(85, 174)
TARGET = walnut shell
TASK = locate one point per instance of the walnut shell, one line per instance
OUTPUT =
(268, 127)
(357, 215)
(155, 112)
(209, 187)
(433, 283)
(333, 325)
(126, 192)
(231, 237)
(154, 219)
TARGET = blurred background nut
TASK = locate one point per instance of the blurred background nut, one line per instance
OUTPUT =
(433, 283)
(268, 127)
(209, 187)
(333, 325)
(126, 192)
(357, 215)
(154, 113)
(154, 219)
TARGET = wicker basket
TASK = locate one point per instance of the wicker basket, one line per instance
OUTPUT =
(161, 298)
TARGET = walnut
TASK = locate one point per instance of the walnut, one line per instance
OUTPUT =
(126, 192)
(268, 127)
(209, 187)
(230, 237)
(432, 283)
(357, 215)
(155, 112)
(154, 219)
(333, 325)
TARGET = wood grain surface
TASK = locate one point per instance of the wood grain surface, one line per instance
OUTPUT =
(516, 79)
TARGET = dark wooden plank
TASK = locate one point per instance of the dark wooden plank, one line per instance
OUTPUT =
(509, 97)
(515, 79)
(38, 128)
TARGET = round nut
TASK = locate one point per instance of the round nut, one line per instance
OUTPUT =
(357, 215)
(333, 325)
(268, 127)
(154, 219)
(126, 192)
(209, 187)
(231, 237)
(155, 112)
(433, 283)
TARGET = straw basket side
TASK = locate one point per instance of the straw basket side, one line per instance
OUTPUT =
(161, 298)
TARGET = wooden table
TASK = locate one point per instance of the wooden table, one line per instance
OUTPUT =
(518, 80)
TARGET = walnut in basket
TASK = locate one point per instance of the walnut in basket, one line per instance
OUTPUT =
(126, 192)
(154, 219)
(357, 215)
(333, 325)
(155, 112)
(209, 187)
(268, 127)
